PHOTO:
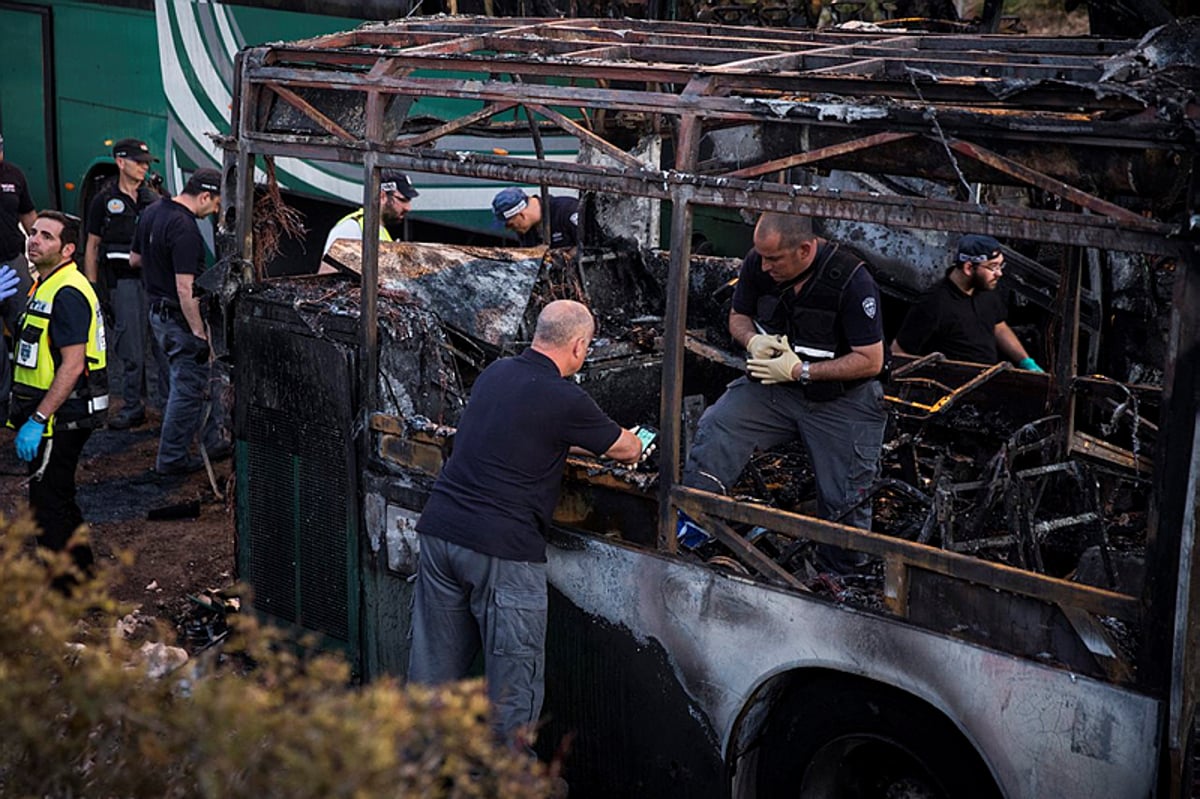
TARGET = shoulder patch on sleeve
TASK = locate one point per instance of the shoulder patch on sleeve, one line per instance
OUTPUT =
(869, 307)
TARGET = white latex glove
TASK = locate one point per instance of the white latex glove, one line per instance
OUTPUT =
(774, 370)
(763, 345)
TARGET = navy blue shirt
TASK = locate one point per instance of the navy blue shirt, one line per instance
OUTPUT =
(564, 225)
(960, 326)
(497, 492)
(170, 244)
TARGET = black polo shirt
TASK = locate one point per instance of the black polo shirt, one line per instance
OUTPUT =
(170, 244)
(497, 492)
(960, 326)
(564, 225)
(14, 202)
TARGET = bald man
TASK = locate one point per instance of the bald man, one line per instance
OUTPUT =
(481, 577)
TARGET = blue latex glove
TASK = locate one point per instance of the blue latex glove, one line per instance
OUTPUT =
(10, 281)
(28, 438)
(1029, 365)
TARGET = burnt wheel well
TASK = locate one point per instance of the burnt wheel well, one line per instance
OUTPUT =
(796, 715)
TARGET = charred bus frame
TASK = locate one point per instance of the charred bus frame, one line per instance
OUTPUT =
(964, 109)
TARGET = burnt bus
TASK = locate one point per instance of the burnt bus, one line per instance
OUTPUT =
(1025, 626)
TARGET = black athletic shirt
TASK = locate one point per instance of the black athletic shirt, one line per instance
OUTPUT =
(14, 201)
(960, 326)
(497, 492)
(170, 244)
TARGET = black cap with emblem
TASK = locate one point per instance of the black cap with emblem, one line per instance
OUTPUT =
(134, 149)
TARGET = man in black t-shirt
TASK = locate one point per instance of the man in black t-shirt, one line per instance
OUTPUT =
(169, 250)
(481, 579)
(807, 312)
(964, 316)
(522, 214)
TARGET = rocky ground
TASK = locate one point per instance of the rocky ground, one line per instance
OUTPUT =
(173, 559)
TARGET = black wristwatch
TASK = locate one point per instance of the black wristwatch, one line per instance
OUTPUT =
(40, 418)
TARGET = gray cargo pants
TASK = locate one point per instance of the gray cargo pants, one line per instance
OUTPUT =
(464, 600)
(843, 437)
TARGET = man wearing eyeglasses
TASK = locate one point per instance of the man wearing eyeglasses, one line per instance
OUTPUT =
(807, 312)
(964, 317)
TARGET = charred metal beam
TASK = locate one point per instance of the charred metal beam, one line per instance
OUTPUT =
(1144, 235)
(1034, 178)
(455, 125)
(821, 154)
(963, 567)
(306, 108)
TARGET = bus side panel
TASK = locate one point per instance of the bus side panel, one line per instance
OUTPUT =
(1041, 731)
(23, 74)
(108, 88)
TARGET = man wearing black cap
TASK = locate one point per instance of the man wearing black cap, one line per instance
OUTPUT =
(522, 214)
(17, 215)
(963, 317)
(170, 251)
(396, 193)
(111, 220)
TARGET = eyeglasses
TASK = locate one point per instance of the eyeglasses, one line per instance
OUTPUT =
(995, 267)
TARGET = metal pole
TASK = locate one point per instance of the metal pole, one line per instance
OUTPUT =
(687, 148)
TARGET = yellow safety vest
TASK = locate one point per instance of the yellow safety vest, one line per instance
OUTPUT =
(36, 358)
(357, 216)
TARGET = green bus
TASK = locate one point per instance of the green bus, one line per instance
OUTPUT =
(80, 74)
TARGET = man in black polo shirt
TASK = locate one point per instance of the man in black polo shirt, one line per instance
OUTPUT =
(481, 579)
(522, 214)
(964, 316)
(169, 250)
(111, 221)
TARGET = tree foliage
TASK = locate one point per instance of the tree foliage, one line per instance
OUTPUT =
(82, 718)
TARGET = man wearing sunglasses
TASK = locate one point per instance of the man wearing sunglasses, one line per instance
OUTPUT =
(964, 317)
(807, 312)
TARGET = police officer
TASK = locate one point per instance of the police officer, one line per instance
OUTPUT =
(807, 312)
(111, 221)
(522, 214)
(60, 380)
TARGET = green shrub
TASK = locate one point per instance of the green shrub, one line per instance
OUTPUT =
(81, 717)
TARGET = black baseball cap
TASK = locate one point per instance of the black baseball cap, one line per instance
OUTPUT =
(134, 149)
(202, 180)
(974, 248)
(399, 183)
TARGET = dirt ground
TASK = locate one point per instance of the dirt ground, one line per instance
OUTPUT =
(173, 559)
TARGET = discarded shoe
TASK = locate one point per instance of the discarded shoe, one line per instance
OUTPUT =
(185, 466)
(124, 421)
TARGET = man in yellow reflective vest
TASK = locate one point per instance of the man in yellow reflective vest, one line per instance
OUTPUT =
(60, 380)
(396, 193)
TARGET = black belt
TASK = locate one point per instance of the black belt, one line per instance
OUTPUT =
(164, 307)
